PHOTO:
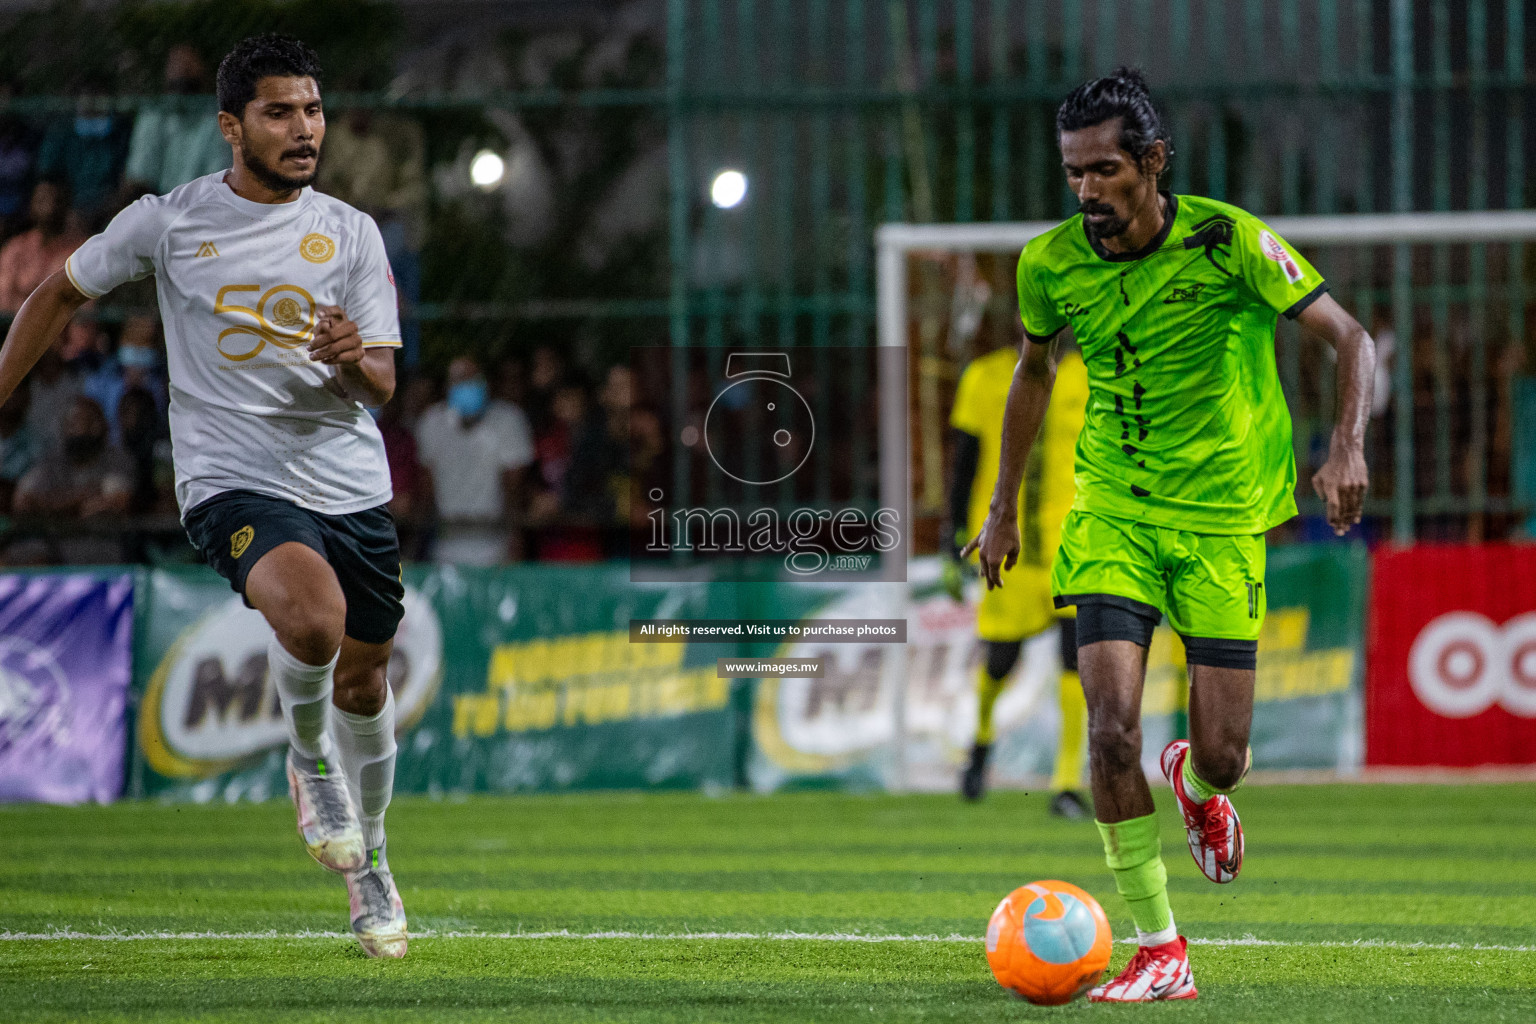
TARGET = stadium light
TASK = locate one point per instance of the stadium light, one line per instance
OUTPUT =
(486, 170)
(728, 189)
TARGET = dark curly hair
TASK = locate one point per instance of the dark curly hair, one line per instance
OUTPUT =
(258, 57)
(1123, 94)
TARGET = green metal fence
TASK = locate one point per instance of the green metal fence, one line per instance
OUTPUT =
(843, 114)
(846, 113)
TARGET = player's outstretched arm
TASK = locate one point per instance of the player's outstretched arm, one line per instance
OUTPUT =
(1342, 481)
(38, 322)
(1030, 393)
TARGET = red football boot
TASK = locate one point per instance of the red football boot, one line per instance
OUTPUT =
(1155, 972)
(1215, 834)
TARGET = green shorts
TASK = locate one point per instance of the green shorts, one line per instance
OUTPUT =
(1209, 586)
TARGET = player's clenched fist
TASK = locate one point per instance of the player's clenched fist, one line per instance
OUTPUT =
(336, 338)
(1342, 483)
(997, 546)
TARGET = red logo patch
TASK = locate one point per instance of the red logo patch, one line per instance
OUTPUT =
(1273, 249)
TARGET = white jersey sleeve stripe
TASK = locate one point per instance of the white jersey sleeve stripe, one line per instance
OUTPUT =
(69, 272)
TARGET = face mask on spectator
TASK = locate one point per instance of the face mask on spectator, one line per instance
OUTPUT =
(467, 398)
(82, 448)
(93, 127)
(136, 357)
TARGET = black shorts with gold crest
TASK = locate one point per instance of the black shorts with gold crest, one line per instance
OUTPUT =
(233, 529)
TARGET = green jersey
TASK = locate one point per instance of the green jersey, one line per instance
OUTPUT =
(1186, 425)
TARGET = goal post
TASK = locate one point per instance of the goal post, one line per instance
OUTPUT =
(1453, 280)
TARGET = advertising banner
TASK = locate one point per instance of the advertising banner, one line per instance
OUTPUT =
(519, 678)
(1453, 656)
(903, 716)
(64, 674)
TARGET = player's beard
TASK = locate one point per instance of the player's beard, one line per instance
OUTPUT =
(1111, 228)
(270, 176)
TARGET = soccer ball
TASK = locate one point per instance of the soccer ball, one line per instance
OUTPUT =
(1048, 942)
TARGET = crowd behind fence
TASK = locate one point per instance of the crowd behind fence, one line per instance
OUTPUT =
(611, 121)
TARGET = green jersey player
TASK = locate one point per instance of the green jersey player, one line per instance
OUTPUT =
(1184, 461)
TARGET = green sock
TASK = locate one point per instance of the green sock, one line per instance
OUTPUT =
(1134, 853)
(1202, 790)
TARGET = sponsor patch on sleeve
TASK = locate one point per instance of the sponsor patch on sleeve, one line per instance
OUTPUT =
(1274, 249)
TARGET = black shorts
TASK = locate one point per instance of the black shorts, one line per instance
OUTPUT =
(234, 529)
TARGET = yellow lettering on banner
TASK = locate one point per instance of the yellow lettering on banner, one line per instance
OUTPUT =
(475, 713)
(1310, 674)
(502, 671)
(529, 710)
(1285, 629)
(717, 691)
(461, 713)
(586, 679)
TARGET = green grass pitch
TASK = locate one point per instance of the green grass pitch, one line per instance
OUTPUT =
(1356, 904)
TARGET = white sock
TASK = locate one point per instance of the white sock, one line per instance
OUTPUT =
(367, 747)
(1158, 938)
(305, 693)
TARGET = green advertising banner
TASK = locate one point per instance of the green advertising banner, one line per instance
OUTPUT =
(512, 679)
(903, 716)
(524, 679)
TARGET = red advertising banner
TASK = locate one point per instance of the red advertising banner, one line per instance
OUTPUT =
(1451, 677)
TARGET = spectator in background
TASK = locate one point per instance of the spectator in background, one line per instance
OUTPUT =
(87, 151)
(475, 449)
(18, 150)
(97, 370)
(36, 254)
(553, 444)
(177, 138)
(84, 476)
(559, 541)
(545, 376)
(17, 450)
(508, 383)
(145, 440)
(52, 388)
(595, 490)
(106, 370)
(412, 504)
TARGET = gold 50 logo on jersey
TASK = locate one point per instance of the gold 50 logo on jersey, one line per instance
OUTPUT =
(283, 315)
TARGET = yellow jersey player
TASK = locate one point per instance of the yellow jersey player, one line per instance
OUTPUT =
(1022, 607)
(280, 324)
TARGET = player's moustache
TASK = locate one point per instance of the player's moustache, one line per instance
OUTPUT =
(301, 151)
(1096, 209)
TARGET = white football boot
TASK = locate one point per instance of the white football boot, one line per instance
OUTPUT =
(327, 821)
(378, 916)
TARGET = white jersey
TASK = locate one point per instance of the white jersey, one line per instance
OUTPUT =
(239, 284)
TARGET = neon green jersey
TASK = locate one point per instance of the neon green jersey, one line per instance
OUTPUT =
(1186, 425)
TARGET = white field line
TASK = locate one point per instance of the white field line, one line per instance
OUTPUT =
(69, 934)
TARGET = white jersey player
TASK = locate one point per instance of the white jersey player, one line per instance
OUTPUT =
(280, 324)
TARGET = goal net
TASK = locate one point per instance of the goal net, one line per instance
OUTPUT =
(1447, 297)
